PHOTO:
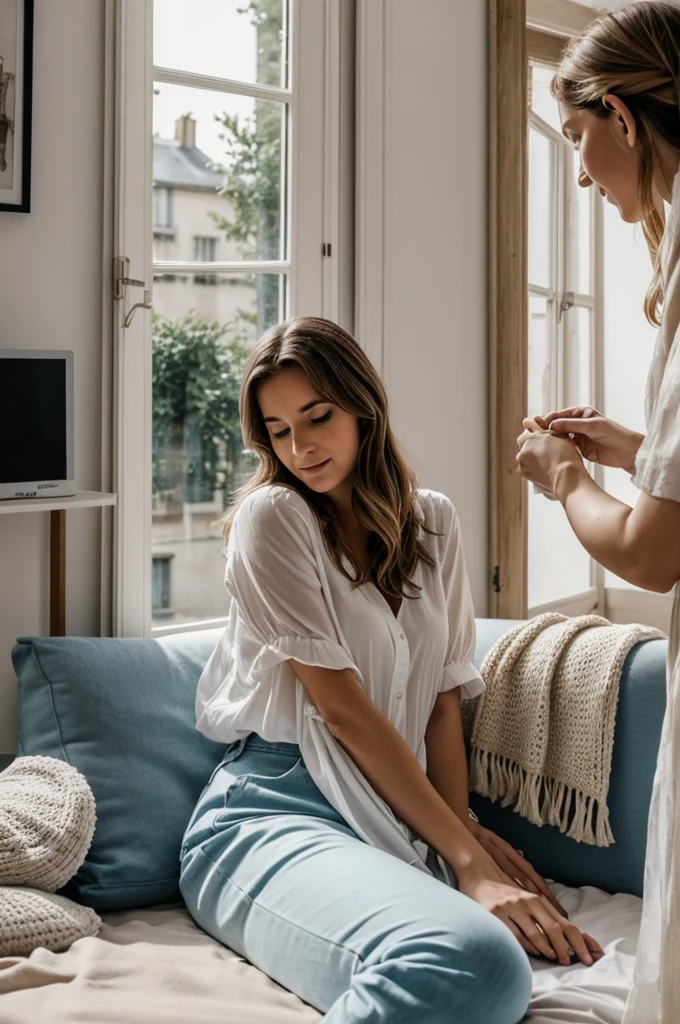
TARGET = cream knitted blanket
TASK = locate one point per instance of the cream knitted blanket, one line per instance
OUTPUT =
(541, 735)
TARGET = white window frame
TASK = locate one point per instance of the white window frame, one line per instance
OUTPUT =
(319, 193)
(563, 195)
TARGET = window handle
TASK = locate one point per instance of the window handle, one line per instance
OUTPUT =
(122, 282)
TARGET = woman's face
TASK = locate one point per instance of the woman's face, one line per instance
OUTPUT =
(609, 157)
(316, 440)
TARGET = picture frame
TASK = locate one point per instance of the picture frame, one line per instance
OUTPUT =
(16, 101)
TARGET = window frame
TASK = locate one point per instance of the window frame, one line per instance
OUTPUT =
(318, 196)
(513, 27)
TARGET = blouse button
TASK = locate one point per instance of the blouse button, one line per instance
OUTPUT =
(398, 695)
(401, 636)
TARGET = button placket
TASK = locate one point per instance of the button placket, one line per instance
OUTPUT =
(401, 668)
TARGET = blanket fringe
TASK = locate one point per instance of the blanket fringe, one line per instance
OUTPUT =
(540, 800)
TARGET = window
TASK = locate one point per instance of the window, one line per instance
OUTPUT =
(563, 250)
(229, 122)
(227, 164)
(160, 585)
(162, 208)
(205, 249)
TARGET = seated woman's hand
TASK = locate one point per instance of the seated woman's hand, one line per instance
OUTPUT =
(539, 928)
(514, 864)
(598, 439)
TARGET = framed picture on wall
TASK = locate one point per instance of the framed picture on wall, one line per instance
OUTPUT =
(16, 91)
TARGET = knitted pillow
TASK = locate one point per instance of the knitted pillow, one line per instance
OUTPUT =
(47, 818)
(29, 918)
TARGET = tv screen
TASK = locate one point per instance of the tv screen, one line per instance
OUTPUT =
(35, 410)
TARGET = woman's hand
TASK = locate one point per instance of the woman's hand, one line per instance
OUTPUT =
(543, 454)
(537, 925)
(514, 864)
(597, 438)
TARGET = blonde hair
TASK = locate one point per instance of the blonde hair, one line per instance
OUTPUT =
(384, 488)
(634, 54)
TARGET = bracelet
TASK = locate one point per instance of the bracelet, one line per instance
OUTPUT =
(471, 814)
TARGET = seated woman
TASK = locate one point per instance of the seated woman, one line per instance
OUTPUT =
(333, 846)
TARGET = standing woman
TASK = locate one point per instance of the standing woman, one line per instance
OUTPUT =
(333, 846)
(618, 87)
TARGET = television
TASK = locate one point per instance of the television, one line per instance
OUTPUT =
(36, 424)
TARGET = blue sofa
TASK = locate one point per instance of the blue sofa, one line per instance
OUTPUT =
(122, 712)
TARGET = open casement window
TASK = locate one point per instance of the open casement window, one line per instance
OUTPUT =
(546, 259)
(232, 153)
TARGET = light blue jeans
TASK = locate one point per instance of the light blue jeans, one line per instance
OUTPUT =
(270, 869)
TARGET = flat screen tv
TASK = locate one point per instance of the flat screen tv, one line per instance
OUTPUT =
(36, 424)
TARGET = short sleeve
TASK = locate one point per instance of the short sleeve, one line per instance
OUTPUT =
(459, 669)
(657, 465)
(273, 574)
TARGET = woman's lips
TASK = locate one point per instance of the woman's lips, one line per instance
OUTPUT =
(316, 468)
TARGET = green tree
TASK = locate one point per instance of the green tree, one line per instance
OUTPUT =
(197, 371)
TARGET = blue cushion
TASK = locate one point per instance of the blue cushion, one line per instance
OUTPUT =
(639, 715)
(122, 712)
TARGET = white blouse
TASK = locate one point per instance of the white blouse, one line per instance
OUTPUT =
(290, 601)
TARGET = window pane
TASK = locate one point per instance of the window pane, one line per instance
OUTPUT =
(541, 213)
(222, 166)
(542, 103)
(580, 213)
(558, 566)
(202, 333)
(237, 39)
(539, 384)
(578, 388)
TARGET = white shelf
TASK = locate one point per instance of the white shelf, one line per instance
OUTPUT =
(81, 499)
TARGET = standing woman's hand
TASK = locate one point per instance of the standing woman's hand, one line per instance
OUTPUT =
(543, 455)
(598, 439)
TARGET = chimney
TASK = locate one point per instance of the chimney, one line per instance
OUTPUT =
(185, 131)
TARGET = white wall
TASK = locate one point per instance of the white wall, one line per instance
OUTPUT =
(50, 297)
(435, 254)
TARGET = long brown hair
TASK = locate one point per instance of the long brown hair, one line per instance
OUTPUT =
(634, 54)
(384, 488)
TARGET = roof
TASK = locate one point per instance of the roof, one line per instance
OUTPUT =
(177, 166)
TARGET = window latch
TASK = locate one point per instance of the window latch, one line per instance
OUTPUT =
(566, 304)
(121, 282)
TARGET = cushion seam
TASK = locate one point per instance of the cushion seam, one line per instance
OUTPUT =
(48, 684)
(95, 887)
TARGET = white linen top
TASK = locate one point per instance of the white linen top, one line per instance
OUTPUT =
(290, 601)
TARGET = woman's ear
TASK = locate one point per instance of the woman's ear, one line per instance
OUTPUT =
(622, 121)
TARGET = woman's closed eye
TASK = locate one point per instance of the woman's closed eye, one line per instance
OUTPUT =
(323, 419)
(319, 419)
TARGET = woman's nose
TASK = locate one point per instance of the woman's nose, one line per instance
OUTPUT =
(302, 442)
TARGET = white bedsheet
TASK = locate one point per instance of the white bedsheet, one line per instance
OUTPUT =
(590, 995)
(155, 966)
